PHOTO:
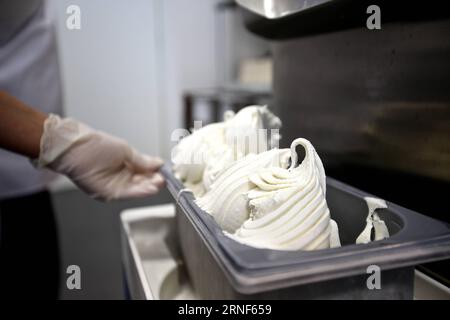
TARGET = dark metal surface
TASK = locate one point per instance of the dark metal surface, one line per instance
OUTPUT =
(376, 105)
(328, 16)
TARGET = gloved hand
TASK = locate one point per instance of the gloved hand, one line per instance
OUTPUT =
(103, 166)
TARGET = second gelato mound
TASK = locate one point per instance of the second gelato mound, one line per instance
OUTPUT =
(200, 158)
(261, 202)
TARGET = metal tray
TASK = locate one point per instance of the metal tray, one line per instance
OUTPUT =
(222, 268)
(151, 256)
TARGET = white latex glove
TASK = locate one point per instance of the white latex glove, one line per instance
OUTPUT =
(103, 166)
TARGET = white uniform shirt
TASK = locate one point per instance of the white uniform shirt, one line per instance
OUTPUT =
(29, 71)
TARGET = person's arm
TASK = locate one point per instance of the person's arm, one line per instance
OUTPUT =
(104, 166)
(21, 127)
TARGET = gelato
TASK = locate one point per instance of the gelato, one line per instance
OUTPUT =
(199, 158)
(258, 194)
(373, 221)
(261, 202)
(227, 200)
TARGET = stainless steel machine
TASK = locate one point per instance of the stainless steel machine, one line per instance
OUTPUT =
(375, 103)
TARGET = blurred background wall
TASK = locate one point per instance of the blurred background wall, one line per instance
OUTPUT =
(124, 71)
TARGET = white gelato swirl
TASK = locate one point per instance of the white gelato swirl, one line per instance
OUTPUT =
(191, 154)
(373, 221)
(288, 209)
(200, 158)
(227, 200)
(271, 206)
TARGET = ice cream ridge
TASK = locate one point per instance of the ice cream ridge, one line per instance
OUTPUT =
(262, 202)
